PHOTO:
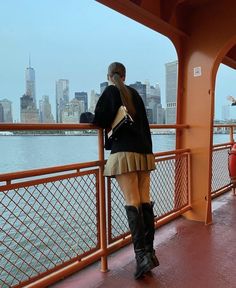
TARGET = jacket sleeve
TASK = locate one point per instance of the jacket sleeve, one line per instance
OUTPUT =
(106, 108)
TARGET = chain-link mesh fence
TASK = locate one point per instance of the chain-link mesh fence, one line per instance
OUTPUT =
(169, 191)
(220, 171)
(47, 225)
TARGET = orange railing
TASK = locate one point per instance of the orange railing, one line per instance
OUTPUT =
(220, 175)
(48, 222)
(55, 221)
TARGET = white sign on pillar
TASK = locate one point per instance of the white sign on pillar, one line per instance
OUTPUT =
(197, 71)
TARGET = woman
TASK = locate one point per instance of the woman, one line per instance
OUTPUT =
(130, 162)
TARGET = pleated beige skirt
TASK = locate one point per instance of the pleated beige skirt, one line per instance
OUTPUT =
(124, 162)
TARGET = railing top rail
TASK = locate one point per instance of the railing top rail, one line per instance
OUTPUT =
(168, 126)
(85, 126)
(50, 170)
(224, 125)
(228, 144)
(172, 152)
(29, 126)
(80, 126)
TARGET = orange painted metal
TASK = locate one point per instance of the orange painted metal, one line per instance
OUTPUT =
(92, 255)
(198, 46)
(224, 146)
(232, 164)
(35, 127)
(102, 203)
(190, 25)
(178, 197)
(46, 171)
(44, 279)
(62, 273)
(225, 186)
(231, 128)
(73, 170)
(30, 127)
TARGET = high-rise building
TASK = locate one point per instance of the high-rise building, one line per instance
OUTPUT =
(141, 88)
(45, 110)
(160, 114)
(149, 115)
(154, 102)
(82, 97)
(28, 108)
(62, 97)
(30, 83)
(93, 100)
(171, 91)
(6, 111)
(103, 86)
(28, 111)
(72, 111)
(1, 113)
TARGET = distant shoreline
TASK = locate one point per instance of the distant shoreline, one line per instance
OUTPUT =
(87, 134)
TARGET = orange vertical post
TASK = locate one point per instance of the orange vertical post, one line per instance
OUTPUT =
(202, 35)
(231, 134)
(202, 56)
(102, 203)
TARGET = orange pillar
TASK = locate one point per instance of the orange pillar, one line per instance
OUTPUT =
(201, 54)
(202, 35)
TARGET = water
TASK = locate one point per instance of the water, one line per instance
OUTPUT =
(19, 153)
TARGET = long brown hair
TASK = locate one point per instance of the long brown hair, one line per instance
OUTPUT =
(117, 73)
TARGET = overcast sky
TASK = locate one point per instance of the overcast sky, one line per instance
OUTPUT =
(77, 40)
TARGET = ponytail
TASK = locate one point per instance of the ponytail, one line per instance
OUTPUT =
(117, 71)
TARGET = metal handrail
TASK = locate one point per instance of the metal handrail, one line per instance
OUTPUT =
(105, 249)
(80, 126)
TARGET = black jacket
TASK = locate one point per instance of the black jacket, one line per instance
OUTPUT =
(135, 138)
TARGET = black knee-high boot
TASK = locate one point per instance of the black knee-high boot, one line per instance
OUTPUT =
(149, 228)
(135, 220)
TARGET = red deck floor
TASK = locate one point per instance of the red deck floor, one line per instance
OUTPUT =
(191, 254)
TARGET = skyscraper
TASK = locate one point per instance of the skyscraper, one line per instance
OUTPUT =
(72, 111)
(154, 102)
(1, 113)
(82, 97)
(28, 111)
(28, 108)
(93, 100)
(45, 110)
(141, 88)
(30, 83)
(171, 91)
(62, 97)
(6, 111)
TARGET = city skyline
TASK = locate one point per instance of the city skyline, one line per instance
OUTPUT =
(77, 41)
(39, 111)
(30, 90)
(30, 82)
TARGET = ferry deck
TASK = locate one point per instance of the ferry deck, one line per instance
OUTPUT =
(195, 216)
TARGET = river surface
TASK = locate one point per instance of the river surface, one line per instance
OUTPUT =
(18, 153)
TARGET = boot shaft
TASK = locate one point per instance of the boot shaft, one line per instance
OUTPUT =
(149, 227)
(136, 225)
